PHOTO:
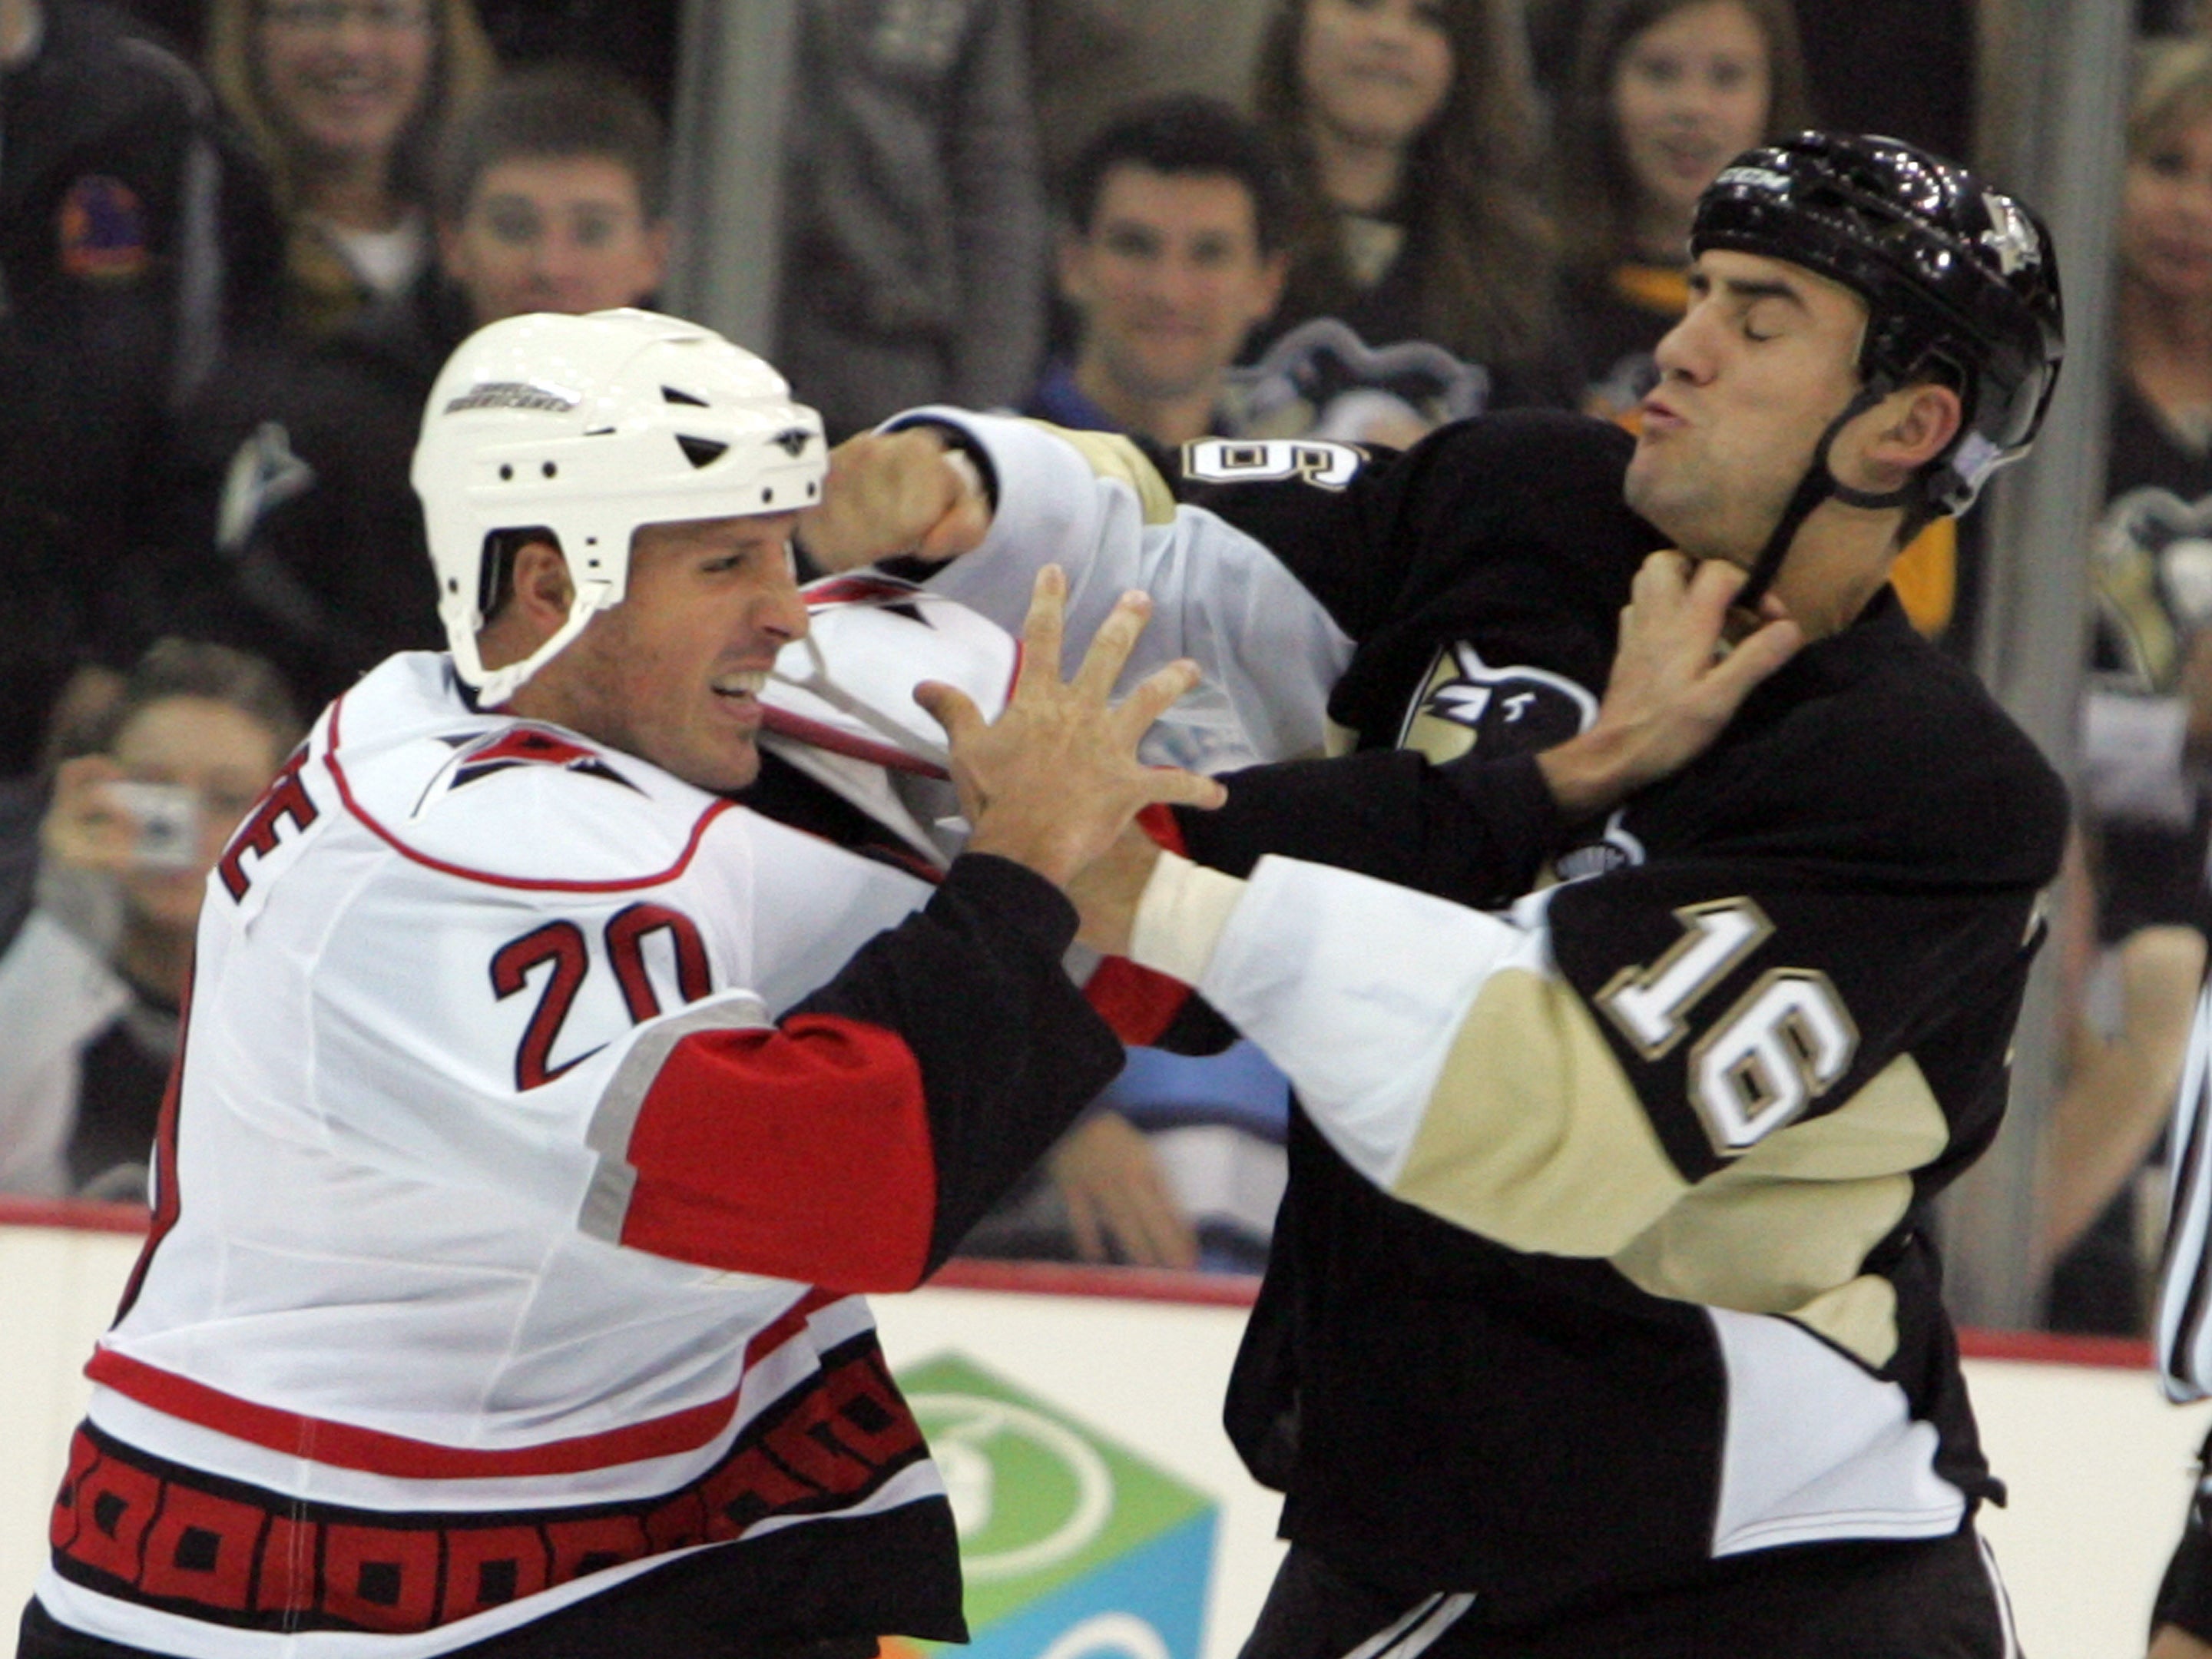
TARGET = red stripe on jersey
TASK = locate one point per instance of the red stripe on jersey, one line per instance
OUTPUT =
(168, 1201)
(801, 1151)
(1159, 821)
(548, 886)
(345, 1446)
(1137, 1003)
(816, 734)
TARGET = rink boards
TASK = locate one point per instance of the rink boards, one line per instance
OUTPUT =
(1104, 1515)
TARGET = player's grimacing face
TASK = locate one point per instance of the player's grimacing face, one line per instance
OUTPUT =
(1765, 358)
(673, 674)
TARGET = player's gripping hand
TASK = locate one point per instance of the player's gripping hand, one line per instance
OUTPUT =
(1674, 683)
(1055, 778)
(894, 493)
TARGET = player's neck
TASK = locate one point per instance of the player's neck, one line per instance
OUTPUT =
(1170, 423)
(1840, 560)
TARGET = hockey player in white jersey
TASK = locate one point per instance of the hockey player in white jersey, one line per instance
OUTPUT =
(542, 1113)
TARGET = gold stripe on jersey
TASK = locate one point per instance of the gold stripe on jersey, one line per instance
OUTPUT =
(1533, 1136)
(1110, 455)
(1785, 1228)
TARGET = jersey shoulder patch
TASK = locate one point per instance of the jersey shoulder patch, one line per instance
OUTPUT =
(489, 797)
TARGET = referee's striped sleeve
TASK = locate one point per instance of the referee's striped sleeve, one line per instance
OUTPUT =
(2184, 1290)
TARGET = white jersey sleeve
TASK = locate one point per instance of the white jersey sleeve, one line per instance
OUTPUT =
(1092, 504)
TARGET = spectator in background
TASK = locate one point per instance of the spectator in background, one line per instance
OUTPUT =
(92, 983)
(342, 98)
(134, 238)
(2147, 733)
(551, 194)
(1172, 255)
(1662, 94)
(1410, 130)
(915, 244)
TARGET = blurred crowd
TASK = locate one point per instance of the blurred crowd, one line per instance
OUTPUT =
(239, 237)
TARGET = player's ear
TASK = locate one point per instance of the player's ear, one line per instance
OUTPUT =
(1924, 425)
(543, 591)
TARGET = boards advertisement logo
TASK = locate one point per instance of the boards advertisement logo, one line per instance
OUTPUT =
(1073, 1546)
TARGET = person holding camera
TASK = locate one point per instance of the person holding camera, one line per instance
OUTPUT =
(92, 983)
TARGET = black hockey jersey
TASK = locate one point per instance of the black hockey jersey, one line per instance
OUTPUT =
(1603, 1256)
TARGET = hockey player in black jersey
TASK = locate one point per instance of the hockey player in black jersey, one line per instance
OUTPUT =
(1603, 1317)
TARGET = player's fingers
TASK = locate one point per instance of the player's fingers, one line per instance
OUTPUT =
(1111, 645)
(1157, 693)
(951, 709)
(960, 529)
(1170, 786)
(1714, 585)
(1754, 657)
(1041, 628)
(1661, 575)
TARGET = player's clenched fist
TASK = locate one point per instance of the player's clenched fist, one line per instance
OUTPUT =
(890, 494)
(1055, 778)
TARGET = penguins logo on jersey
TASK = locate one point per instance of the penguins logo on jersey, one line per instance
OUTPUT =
(2153, 581)
(1465, 704)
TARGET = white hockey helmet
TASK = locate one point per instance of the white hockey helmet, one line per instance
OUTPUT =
(590, 427)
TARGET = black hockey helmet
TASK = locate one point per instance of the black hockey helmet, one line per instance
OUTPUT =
(1960, 279)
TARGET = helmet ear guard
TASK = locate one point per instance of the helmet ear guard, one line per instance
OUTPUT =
(591, 427)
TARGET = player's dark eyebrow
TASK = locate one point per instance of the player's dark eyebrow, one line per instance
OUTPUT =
(1750, 290)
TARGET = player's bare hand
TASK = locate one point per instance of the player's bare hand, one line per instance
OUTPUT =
(1119, 1206)
(1675, 684)
(1053, 781)
(1106, 891)
(86, 828)
(894, 493)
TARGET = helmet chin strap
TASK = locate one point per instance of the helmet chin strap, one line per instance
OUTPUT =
(1818, 485)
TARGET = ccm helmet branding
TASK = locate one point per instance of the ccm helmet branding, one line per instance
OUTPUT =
(590, 426)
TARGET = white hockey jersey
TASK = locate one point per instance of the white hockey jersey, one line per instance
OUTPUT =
(505, 1242)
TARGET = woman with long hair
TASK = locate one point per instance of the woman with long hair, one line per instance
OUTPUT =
(343, 98)
(1662, 94)
(1410, 130)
